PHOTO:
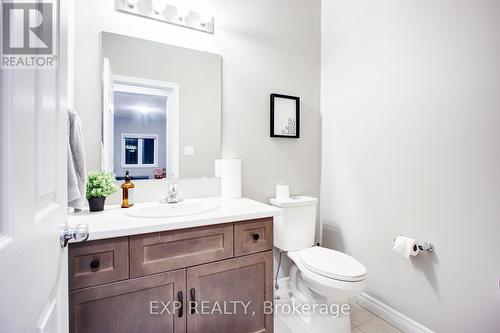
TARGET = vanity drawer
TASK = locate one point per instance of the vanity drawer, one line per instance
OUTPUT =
(253, 236)
(169, 250)
(97, 262)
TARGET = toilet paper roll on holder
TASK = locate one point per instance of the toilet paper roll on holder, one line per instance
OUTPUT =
(425, 246)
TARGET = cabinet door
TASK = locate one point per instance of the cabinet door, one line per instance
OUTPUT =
(131, 306)
(216, 288)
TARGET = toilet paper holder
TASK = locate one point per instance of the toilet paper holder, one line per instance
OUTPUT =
(426, 246)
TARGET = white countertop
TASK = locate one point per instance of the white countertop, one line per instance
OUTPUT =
(113, 222)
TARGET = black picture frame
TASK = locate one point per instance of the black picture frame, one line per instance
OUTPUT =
(274, 111)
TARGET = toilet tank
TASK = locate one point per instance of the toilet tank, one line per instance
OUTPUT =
(295, 229)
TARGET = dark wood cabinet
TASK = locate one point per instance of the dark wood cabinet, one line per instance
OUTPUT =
(225, 270)
(98, 262)
(253, 236)
(169, 250)
(231, 295)
(130, 306)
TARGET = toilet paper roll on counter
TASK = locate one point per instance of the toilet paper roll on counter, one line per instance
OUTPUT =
(405, 246)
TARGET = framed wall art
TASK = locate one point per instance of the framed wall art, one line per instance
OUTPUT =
(285, 116)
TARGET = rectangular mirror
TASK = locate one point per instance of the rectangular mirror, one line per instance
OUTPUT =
(161, 109)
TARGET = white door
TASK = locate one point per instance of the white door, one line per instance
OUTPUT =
(33, 266)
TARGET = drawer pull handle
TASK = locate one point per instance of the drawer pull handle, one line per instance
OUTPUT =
(256, 237)
(192, 304)
(181, 300)
(94, 264)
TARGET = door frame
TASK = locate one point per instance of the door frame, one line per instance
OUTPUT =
(5, 153)
(141, 85)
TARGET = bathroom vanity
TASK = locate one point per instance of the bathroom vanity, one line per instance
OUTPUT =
(126, 276)
(198, 266)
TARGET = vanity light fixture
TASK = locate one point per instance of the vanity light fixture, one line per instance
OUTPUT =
(168, 11)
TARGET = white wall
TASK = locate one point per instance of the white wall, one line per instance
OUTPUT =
(266, 46)
(411, 145)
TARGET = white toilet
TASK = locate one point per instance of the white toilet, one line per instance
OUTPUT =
(318, 275)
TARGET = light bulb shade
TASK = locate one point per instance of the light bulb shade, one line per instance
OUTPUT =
(159, 6)
(132, 3)
(182, 12)
(205, 19)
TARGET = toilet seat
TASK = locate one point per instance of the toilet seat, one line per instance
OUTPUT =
(330, 264)
(327, 286)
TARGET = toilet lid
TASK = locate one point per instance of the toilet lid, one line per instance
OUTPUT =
(294, 201)
(332, 264)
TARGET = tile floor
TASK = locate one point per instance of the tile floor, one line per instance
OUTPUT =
(362, 321)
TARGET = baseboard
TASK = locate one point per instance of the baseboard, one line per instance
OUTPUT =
(393, 317)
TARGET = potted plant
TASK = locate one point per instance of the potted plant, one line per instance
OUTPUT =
(99, 186)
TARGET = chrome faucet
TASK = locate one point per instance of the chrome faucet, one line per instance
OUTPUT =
(173, 196)
(172, 192)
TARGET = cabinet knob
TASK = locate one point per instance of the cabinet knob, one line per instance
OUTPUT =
(94, 264)
(256, 237)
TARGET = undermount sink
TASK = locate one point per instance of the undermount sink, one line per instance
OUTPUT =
(184, 208)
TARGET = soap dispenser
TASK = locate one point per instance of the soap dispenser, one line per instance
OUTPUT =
(127, 191)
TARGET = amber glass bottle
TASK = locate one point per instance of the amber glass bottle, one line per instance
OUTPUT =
(127, 191)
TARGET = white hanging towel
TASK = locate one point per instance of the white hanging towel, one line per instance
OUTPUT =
(77, 169)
